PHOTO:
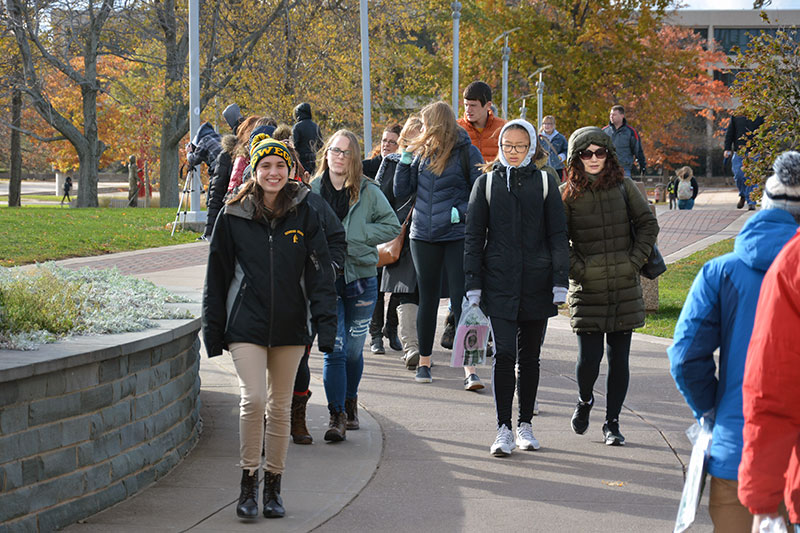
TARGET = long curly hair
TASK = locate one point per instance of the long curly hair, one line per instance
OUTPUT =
(440, 136)
(577, 181)
(355, 167)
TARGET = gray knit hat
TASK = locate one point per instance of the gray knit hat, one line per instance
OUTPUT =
(782, 189)
(583, 137)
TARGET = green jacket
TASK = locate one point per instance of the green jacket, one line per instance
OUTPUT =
(605, 293)
(369, 222)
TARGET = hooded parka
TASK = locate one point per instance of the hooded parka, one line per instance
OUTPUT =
(268, 281)
(605, 292)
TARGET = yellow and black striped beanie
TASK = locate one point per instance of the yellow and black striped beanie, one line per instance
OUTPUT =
(263, 145)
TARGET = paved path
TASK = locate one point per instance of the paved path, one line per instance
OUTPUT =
(421, 461)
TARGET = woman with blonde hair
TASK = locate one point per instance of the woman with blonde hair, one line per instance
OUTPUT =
(441, 174)
(368, 220)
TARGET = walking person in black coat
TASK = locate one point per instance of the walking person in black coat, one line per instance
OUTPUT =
(306, 137)
(269, 280)
(516, 263)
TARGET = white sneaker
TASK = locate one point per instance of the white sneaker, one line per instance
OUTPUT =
(503, 443)
(525, 438)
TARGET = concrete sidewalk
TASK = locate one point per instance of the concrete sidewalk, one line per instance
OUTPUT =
(421, 460)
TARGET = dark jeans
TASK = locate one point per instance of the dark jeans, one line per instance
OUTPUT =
(429, 259)
(342, 368)
(376, 325)
(590, 354)
(517, 342)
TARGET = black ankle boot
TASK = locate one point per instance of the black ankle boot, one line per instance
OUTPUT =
(449, 333)
(273, 503)
(248, 496)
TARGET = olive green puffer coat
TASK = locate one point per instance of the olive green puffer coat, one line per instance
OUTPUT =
(605, 294)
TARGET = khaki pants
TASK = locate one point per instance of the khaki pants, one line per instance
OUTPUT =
(266, 377)
(727, 513)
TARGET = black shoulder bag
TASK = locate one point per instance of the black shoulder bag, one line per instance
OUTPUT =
(655, 265)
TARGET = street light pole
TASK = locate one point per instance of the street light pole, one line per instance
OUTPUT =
(365, 87)
(194, 214)
(539, 94)
(456, 18)
(506, 56)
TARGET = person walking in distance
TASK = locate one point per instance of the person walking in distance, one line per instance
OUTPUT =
(716, 324)
(605, 294)
(740, 129)
(441, 176)
(626, 140)
(516, 258)
(306, 136)
(258, 302)
(67, 189)
(368, 220)
(556, 145)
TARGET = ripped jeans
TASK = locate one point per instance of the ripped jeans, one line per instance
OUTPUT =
(342, 368)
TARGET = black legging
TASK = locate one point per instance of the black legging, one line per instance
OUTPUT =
(376, 324)
(303, 377)
(590, 353)
(516, 342)
(429, 258)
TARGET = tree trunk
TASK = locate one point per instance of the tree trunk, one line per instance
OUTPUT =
(89, 154)
(172, 130)
(15, 182)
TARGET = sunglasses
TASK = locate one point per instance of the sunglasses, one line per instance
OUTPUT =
(586, 155)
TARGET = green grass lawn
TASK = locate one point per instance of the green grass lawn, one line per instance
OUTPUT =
(674, 285)
(43, 233)
(41, 197)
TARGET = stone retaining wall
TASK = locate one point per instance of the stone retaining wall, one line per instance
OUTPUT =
(86, 423)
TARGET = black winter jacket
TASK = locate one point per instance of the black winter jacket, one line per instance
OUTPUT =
(516, 248)
(219, 182)
(267, 282)
(206, 148)
(370, 166)
(438, 194)
(739, 130)
(306, 136)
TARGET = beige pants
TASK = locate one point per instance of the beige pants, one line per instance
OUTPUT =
(266, 377)
(727, 513)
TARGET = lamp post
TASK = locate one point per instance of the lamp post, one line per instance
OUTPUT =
(539, 94)
(194, 214)
(506, 56)
(365, 89)
(456, 18)
(524, 111)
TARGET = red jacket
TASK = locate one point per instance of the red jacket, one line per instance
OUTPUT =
(770, 467)
(488, 138)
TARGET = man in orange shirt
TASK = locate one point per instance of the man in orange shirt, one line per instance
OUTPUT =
(479, 121)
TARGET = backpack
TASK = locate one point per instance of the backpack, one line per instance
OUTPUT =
(684, 190)
(545, 186)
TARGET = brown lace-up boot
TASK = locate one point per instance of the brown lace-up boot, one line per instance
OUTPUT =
(337, 427)
(300, 433)
(351, 408)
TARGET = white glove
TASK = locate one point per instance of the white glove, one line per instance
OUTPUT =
(559, 295)
(474, 297)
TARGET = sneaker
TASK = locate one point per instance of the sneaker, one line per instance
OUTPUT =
(423, 374)
(473, 382)
(580, 418)
(503, 443)
(611, 434)
(376, 346)
(525, 438)
(536, 408)
(740, 204)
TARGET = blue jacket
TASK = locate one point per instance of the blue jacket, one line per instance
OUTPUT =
(556, 146)
(719, 313)
(437, 195)
(627, 144)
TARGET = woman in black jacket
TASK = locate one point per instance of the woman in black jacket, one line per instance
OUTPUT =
(268, 269)
(516, 262)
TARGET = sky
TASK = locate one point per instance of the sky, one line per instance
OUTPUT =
(739, 4)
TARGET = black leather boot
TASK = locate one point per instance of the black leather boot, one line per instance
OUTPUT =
(449, 333)
(351, 409)
(248, 496)
(273, 503)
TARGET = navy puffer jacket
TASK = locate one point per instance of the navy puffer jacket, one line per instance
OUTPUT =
(438, 194)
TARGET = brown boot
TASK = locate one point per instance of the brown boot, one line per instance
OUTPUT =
(351, 408)
(337, 427)
(300, 433)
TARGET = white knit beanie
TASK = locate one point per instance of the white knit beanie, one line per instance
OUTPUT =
(782, 189)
